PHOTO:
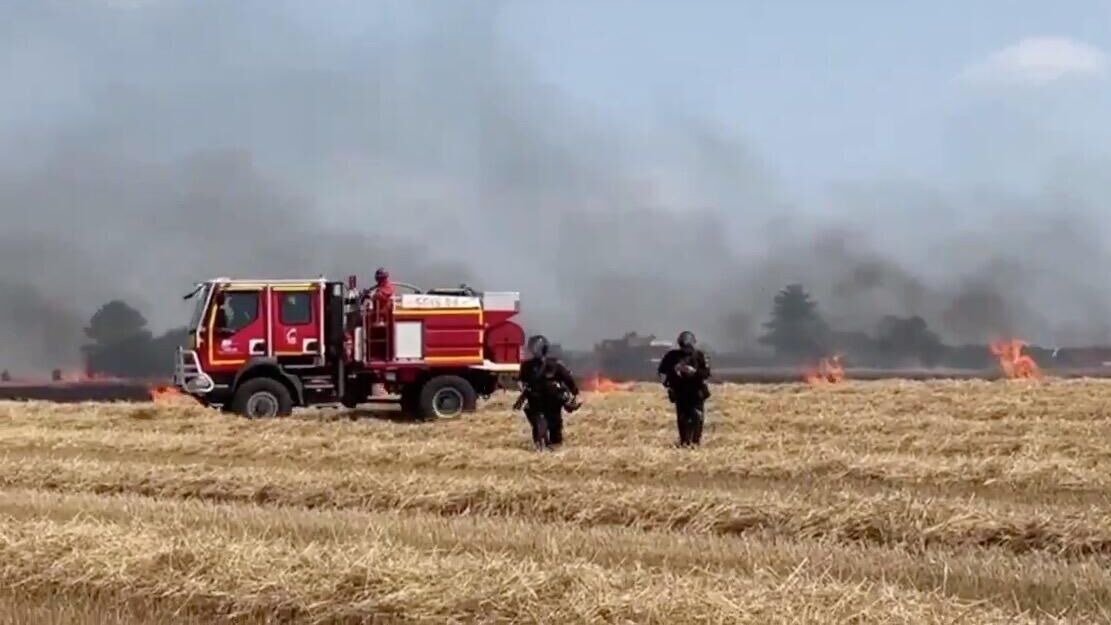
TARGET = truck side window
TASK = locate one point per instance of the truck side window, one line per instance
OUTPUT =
(296, 309)
(239, 310)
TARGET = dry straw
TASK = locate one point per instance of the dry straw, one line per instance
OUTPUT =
(883, 502)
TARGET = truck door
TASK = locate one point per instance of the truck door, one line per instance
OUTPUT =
(298, 315)
(238, 328)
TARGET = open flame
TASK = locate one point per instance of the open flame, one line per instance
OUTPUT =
(1014, 363)
(165, 394)
(828, 371)
(599, 384)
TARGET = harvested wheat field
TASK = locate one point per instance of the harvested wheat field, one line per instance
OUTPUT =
(877, 502)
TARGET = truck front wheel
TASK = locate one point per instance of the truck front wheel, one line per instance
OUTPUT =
(447, 397)
(262, 398)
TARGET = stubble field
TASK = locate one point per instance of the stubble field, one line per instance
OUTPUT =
(882, 502)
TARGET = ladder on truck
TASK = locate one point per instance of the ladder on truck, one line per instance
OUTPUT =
(378, 339)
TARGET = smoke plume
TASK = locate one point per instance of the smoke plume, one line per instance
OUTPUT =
(146, 145)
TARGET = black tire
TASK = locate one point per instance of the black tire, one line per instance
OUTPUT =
(447, 397)
(262, 398)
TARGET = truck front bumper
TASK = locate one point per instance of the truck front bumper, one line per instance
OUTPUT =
(188, 374)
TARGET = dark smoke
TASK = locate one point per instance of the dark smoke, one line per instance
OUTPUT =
(37, 333)
(145, 145)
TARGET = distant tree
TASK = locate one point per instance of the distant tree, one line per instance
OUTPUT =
(902, 339)
(796, 329)
(123, 347)
(115, 322)
(165, 345)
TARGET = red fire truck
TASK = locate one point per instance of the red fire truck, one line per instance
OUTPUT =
(261, 347)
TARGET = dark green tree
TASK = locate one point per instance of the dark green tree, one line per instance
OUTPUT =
(122, 346)
(114, 322)
(796, 329)
(900, 340)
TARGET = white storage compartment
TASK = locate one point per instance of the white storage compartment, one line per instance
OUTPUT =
(408, 340)
(501, 301)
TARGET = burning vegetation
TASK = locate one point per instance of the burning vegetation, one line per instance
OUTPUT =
(600, 384)
(166, 394)
(828, 371)
(1014, 363)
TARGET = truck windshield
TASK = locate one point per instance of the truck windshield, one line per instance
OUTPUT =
(200, 298)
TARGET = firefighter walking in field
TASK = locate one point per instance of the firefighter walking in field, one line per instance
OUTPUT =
(547, 389)
(683, 372)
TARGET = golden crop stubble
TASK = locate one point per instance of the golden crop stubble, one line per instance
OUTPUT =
(898, 518)
(993, 492)
(1039, 581)
(879, 434)
(224, 568)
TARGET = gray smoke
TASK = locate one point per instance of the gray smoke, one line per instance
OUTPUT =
(145, 145)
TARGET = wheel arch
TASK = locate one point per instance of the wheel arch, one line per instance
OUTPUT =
(269, 368)
(485, 383)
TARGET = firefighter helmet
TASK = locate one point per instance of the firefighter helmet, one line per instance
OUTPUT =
(538, 346)
(686, 340)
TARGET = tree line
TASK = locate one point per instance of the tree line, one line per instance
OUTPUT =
(796, 332)
(122, 346)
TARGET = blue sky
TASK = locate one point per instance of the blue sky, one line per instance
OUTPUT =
(821, 91)
(824, 90)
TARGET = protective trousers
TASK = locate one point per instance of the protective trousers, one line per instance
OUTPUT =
(689, 416)
(547, 424)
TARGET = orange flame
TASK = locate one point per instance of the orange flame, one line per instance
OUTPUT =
(599, 384)
(828, 371)
(1014, 363)
(165, 394)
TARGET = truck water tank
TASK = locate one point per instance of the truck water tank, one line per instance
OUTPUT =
(504, 342)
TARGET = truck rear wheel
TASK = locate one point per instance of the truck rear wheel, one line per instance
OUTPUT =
(447, 397)
(262, 398)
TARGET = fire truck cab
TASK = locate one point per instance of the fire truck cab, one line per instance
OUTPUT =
(262, 347)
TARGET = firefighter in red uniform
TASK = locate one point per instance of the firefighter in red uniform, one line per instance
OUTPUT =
(383, 294)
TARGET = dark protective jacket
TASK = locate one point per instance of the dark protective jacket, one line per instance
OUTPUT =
(685, 388)
(546, 379)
